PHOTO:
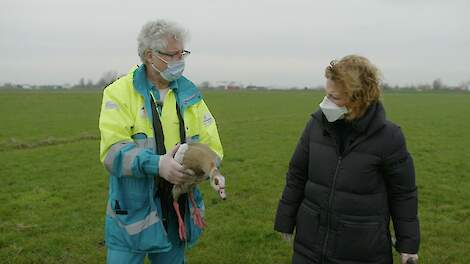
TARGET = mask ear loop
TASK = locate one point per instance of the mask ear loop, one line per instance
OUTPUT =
(155, 68)
(162, 60)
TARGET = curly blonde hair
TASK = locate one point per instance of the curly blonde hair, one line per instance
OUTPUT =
(358, 79)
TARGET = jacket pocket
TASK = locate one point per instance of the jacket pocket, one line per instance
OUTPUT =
(136, 201)
(132, 194)
(307, 223)
(137, 225)
(360, 241)
(139, 231)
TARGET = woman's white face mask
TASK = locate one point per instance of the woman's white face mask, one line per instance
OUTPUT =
(331, 111)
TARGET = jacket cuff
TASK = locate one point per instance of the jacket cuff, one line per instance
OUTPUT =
(150, 165)
(284, 223)
(407, 246)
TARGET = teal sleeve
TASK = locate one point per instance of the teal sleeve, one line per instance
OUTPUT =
(127, 160)
(150, 165)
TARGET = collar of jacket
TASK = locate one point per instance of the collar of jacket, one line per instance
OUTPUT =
(370, 122)
(186, 92)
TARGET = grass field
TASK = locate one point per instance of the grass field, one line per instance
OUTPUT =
(53, 188)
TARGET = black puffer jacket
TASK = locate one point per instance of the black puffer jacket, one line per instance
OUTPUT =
(340, 204)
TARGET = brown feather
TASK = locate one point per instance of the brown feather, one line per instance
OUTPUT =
(200, 159)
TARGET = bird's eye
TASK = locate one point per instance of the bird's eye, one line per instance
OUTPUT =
(216, 181)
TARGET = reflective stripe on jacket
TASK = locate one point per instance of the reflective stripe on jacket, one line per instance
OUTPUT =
(127, 150)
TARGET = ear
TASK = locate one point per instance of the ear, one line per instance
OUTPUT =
(148, 56)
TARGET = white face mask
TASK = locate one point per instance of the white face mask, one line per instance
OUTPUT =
(331, 111)
(173, 71)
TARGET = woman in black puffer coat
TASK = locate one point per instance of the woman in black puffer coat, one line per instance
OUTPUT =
(349, 176)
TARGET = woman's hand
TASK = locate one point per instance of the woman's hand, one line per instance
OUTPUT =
(406, 258)
(287, 237)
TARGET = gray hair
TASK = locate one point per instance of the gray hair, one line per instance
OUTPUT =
(154, 34)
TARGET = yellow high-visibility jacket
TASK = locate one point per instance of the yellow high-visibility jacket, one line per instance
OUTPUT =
(128, 152)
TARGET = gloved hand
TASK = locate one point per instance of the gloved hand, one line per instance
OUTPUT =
(287, 237)
(406, 258)
(171, 170)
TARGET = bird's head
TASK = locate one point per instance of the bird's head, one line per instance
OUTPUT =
(218, 183)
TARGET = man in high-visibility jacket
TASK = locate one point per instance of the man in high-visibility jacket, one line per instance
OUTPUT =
(144, 114)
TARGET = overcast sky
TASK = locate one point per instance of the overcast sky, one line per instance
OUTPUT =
(262, 42)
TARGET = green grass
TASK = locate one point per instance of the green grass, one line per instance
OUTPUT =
(53, 191)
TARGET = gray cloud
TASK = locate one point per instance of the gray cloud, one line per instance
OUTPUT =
(259, 41)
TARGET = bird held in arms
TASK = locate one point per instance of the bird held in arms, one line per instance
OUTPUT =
(203, 161)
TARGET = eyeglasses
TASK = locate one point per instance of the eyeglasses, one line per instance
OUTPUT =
(183, 53)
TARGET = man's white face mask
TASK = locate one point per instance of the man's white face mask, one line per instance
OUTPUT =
(331, 111)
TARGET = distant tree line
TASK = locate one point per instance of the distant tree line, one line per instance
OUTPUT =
(110, 76)
(436, 85)
(106, 78)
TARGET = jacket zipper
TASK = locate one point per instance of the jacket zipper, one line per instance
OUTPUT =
(330, 200)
